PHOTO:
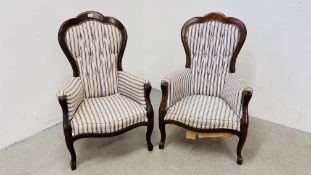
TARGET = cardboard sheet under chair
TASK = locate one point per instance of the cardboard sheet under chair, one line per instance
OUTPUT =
(194, 135)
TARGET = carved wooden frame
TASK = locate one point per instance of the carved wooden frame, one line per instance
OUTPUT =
(92, 15)
(246, 94)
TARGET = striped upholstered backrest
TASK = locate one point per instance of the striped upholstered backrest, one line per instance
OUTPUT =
(211, 45)
(94, 46)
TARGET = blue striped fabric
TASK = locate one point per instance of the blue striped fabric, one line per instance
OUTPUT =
(106, 115)
(95, 47)
(132, 87)
(211, 46)
(204, 112)
(178, 86)
(232, 92)
(101, 100)
(74, 93)
(207, 96)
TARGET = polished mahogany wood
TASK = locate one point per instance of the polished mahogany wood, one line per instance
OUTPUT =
(85, 16)
(247, 94)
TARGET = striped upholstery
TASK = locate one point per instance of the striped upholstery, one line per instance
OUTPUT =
(74, 93)
(207, 96)
(211, 45)
(204, 112)
(178, 86)
(106, 115)
(132, 87)
(232, 92)
(95, 47)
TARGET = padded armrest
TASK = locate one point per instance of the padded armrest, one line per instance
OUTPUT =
(73, 93)
(178, 86)
(233, 91)
(133, 87)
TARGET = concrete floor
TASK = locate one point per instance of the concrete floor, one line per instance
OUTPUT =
(269, 149)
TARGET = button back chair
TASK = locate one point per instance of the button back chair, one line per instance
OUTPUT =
(101, 100)
(206, 96)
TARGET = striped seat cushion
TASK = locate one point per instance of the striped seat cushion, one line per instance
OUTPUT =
(106, 115)
(204, 112)
(211, 46)
(95, 47)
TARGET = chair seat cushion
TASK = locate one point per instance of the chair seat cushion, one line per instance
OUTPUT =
(106, 115)
(204, 112)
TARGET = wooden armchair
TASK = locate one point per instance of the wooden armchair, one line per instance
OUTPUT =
(100, 100)
(206, 96)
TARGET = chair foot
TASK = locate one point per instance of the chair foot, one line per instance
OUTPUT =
(150, 146)
(239, 160)
(73, 164)
(161, 145)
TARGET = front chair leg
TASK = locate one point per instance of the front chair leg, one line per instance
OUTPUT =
(163, 134)
(148, 136)
(69, 143)
(71, 149)
(242, 139)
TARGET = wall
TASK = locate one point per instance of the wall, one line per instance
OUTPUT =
(33, 66)
(274, 59)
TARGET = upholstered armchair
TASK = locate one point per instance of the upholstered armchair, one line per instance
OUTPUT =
(206, 96)
(100, 100)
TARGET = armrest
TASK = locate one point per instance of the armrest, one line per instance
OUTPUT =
(71, 96)
(237, 94)
(175, 87)
(138, 89)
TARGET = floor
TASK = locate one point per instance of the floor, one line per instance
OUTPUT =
(269, 149)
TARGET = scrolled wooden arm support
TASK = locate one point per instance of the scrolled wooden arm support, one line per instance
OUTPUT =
(63, 103)
(246, 97)
(162, 109)
(149, 109)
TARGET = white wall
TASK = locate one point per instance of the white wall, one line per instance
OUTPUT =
(33, 66)
(274, 59)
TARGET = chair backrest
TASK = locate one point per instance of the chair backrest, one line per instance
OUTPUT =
(212, 43)
(94, 45)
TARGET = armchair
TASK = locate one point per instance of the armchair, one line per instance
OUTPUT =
(101, 100)
(206, 96)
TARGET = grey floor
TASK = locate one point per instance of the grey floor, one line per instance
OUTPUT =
(269, 149)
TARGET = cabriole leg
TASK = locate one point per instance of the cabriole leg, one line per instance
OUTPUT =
(242, 139)
(69, 143)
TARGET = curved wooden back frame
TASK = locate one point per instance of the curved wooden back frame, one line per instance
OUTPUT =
(85, 16)
(246, 94)
(221, 18)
